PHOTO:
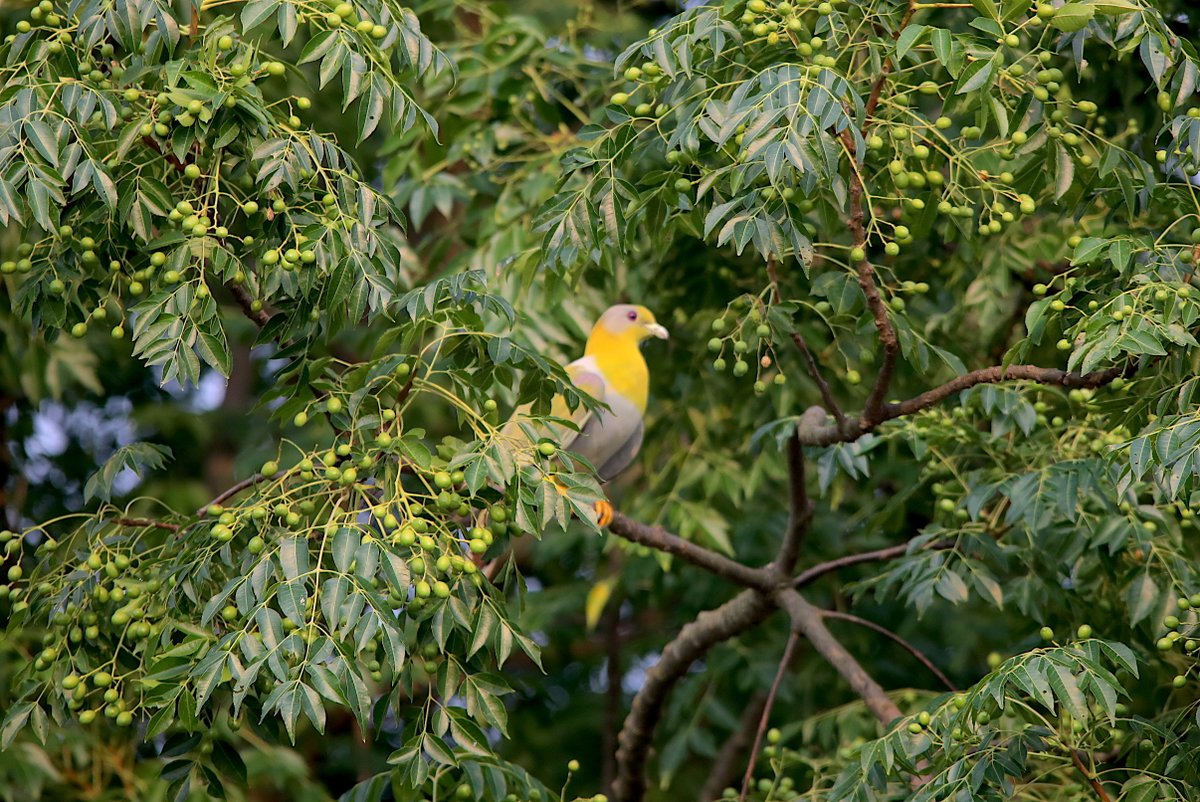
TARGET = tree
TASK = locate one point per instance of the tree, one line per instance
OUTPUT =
(949, 247)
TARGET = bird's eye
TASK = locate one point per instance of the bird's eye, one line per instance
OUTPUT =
(632, 314)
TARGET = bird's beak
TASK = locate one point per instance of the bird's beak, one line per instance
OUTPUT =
(658, 331)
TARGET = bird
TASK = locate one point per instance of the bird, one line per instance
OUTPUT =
(612, 370)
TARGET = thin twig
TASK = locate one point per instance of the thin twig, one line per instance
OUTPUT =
(877, 87)
(784, 662)
(724, 766)
(614, 676)
(810, 575)
(232, 491)
(908, 647)
(147, 522)
(810, 363)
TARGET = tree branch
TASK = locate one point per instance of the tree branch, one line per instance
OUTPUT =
(810, 363)
(828, 434)
(711, 627)
(5, 458)
(866, 273)
(260, 317)
(806, 619)
(784, 662)
(801, 510)
(147, 522)
(877, 87)
(233, 490)
(810, 575)
(866, 281)
(908, 647)
(614, 675)
(999, 373)
(658, 538)
(1095, 784)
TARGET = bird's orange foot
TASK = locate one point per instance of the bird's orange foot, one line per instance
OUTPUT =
(604, 513)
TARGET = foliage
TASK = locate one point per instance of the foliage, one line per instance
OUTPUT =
(958, 230)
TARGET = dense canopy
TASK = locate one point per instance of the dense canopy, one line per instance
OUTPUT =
(913, 515)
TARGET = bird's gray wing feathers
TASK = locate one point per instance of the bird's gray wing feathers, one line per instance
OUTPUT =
(610, 439)
(589, 382)
(624, 455)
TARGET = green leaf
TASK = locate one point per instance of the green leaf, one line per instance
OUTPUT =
(43, 139)
(1064, 172)
(1141, 597)
(256, 12)
(909, 38)
(976, 75)
(1115, 8)
(1073, 16)
(293, 557)
(135, 457)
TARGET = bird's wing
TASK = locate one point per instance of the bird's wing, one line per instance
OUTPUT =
(586, 378)
(623, 456)
(611, 438)
(589, 380)
(607, 438)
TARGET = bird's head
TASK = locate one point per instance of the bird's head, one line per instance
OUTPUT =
(627, 321)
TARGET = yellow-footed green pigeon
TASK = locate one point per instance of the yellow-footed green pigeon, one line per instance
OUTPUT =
(613, 371)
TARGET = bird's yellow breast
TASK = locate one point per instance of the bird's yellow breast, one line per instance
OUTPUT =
(621, 362)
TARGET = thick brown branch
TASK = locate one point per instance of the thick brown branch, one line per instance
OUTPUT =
(725, 764)
(800, 507)
(866, 273)
(784, 662)
(1101, 794)
(810, 575)
(866, 282)
(711, 627)
(827, 434)
(806, 619)
(658, 538)
(999, 373)
(887, 633)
